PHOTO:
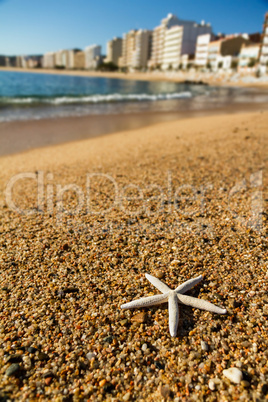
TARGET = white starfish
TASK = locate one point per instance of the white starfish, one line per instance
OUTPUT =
(173, 297)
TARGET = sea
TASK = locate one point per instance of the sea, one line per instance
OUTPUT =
(32, 96)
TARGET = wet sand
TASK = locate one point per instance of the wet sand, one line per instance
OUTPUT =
(19, 136)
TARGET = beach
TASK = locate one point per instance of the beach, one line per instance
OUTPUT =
(84, 219)
(20, 136)
(38, 110)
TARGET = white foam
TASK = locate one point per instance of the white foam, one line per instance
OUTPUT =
(98, 98)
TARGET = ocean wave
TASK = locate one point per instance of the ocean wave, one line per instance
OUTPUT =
(98, 98)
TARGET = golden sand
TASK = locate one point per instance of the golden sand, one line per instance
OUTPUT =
(175, 200)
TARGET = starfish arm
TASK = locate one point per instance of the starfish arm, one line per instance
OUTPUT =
(188, 284)
(173, 311)
(199, 303)
(157, 283)
(146, 301)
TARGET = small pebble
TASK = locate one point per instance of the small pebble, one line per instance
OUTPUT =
(127, 397)
(90, 355)
(140, 317)
(204, 346)
(31, 349)
(102, 383)
(48, 380)
(144, 347)
(159, 274)
(164, 391)
(233, 374)
(43, 356)
(13, 369)
(211, 385)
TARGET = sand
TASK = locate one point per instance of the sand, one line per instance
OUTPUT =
(176, 199)
(219, 79)
(19, 136)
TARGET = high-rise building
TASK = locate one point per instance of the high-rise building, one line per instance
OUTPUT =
(158, 40)
(142, 49)
(136, 49)
(264, 46)
(92, 57)
(48, 60)
(114, 50)
(172, 48)
(190, 32)
(61, 58)
(127, 49)
(75, 59)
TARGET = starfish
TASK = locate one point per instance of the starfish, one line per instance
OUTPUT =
(173, 297)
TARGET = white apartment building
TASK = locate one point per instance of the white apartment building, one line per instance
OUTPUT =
(48, 60)
(264, 47)
(140, 55)
(191, 30)
(114, 50)
(136, 49)
(75, 59)
(249, 53)
(201, 53)
(172, 48)
(128, 47)
(158, 40)
(61, 58)
(92, 57)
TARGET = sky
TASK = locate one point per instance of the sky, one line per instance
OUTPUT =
(38, 26)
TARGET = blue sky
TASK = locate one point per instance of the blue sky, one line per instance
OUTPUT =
(37, 26)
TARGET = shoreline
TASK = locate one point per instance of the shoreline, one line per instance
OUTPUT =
(22, 136)
(178, 77)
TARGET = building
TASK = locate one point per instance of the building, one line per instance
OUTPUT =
(141, 53)
(201, 52)
(248, 56)
(61, 58)
(48, 60)
(21, 62)
(172, 48)
(2, 60)
(255, 37)
(30, 61)
(10, 61)
(264, 47)
(92, 57)
(222, 52)
(191, 30)
(185, 61)
(128, 48)
(75, 59)
(136, 49)
(114, 50)
(158, 40)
